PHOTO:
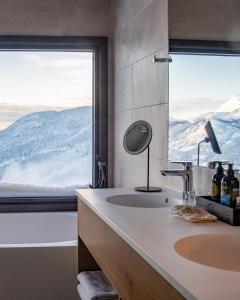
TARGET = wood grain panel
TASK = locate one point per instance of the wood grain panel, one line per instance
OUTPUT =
(85, 260)
(128, 272)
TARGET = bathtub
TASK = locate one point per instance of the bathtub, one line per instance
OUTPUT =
(38, 256)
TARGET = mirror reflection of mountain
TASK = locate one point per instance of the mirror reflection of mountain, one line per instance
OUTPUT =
(184, 135)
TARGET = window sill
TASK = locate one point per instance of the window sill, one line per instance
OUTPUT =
(38, 204)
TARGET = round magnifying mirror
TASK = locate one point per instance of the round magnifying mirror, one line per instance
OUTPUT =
(136, 140)
(137, 137)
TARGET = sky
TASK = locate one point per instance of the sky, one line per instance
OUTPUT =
(37, 81)
(200, 84)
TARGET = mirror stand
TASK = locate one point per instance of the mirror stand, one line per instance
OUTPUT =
(148, 189)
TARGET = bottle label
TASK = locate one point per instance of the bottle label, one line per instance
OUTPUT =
(226, 200)
(238, 202)
(236, 191)
(215, 191)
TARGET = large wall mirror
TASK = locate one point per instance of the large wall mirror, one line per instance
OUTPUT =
(204, 85)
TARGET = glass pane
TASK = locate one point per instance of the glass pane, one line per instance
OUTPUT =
(46, 118)
(204, 88)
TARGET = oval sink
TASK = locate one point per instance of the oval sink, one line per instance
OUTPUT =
(144, 201)
(220, 251)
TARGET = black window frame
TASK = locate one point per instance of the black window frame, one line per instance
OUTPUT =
(204, 47)
(99, 47)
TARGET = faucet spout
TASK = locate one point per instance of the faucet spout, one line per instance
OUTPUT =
(187, 177)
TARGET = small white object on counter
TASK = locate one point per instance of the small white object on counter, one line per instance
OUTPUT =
(193, 214)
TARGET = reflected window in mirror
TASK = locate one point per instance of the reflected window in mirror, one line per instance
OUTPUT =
(202, 88)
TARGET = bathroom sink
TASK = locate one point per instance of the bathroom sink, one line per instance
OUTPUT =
(143, 201)
(220, 251)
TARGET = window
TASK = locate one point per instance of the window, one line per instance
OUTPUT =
(53, 115)
(46, 118)
(204, 87)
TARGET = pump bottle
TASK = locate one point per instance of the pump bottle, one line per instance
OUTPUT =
(216, 182)
(229, 188)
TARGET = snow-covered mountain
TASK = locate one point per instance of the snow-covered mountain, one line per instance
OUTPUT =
(232, 105)
(185, 135)
(48, 148)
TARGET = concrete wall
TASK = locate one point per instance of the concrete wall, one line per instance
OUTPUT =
(204, 19)
(140, 30)
(55, 17)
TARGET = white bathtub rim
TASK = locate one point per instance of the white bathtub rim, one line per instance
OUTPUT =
(72, 243)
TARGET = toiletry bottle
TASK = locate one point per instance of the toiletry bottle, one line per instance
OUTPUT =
(216, 182)
(229, 188)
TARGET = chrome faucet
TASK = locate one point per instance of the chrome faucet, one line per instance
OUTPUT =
(186, 174)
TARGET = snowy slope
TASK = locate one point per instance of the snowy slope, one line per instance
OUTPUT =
(184, 136)
(232, 105)
(48, 148)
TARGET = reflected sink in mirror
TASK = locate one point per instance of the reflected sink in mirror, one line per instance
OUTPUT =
(143, 201)
(220, 251)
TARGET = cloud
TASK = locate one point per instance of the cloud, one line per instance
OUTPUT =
(42, 80)
(182, 107)
(52, 172)
(57, 60)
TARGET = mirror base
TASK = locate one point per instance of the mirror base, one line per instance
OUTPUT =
(145, 189)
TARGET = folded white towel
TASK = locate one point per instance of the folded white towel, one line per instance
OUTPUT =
(193, 214)
(82, 293)
(96, 286)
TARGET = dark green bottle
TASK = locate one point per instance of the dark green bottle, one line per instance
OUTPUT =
(230, 188)
(216, 183)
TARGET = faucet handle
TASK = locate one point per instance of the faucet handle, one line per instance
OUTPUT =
(186, 164)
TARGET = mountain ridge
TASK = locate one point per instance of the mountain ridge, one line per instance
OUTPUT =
(184, 136)
(49, 142)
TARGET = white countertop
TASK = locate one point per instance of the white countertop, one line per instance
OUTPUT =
(153, 232)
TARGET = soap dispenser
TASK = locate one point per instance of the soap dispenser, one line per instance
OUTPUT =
(216, 182)
(229, 188)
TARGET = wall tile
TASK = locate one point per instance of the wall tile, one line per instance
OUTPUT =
(122, 48)
(149, 36)
(204, 20)
(157, 116)
(123, 89)
(123, 11)
(140, 38)
(55, 17)
(150, 81)
(81, 17)
(129, 170)
(29, 17)
(122, 121)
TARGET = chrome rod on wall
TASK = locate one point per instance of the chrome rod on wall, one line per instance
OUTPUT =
(161, 60)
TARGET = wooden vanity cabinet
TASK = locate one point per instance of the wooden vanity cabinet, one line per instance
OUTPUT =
(101, 247)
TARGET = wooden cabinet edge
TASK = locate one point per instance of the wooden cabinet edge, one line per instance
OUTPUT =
(128, 272)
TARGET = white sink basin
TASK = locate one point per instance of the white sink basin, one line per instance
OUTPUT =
(220, 251)
(142, 200)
